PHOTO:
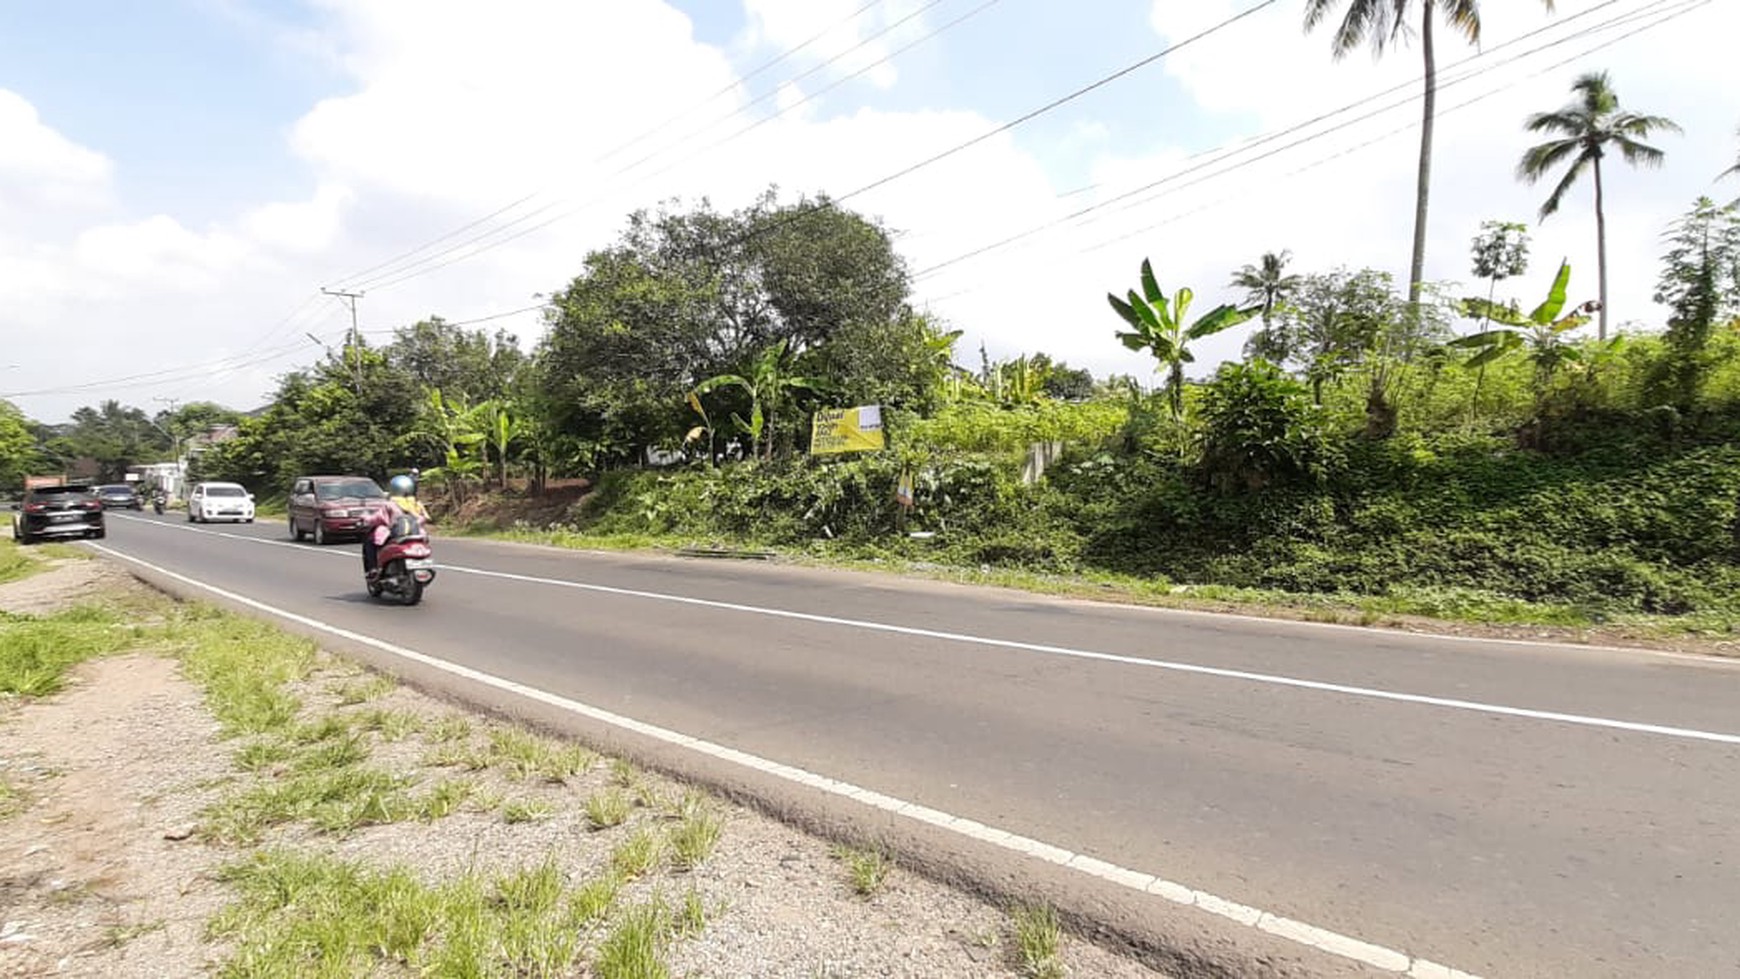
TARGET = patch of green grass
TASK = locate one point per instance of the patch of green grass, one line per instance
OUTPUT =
(607, 808)
(592, 901)
(1038, 938)
(691, 918)
(458, 755)
(339, 752)
(332, 800)
(453, 727)
(634, 949)
(257, 755)
(37, 651)
(63, 552)
(692, 840)
(523, 755)
(445, 798)
(301, 914)
(623, 773)
(323, 728)
(391, 725)
(362, 691)
(526, 811)
(244, 667)
(636, 856)
(867, 869)
(15, 564)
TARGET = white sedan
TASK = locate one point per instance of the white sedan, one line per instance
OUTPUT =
(220, 501)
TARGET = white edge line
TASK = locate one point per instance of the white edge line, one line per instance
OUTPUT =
(1298, 932)
(1270, 679)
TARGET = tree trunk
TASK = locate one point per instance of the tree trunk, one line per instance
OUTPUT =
(1417, 266)
(1601, 247)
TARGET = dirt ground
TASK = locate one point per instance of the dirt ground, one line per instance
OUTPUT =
(103, 871)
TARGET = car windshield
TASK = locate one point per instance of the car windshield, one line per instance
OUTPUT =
(360, 488)
(117, 489)
(225, 491)
(47, 492)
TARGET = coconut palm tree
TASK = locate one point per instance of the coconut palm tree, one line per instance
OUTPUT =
(1267, 284)
(1379, 23)
(1586, 130)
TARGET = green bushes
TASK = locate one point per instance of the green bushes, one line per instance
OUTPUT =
(1592, 501)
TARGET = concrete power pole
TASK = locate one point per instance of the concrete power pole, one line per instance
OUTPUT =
(350, 299)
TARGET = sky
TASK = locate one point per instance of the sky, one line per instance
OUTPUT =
(180, 180)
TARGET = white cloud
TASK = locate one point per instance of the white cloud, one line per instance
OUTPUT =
(451, 115)
(48, 182)
(828, 29)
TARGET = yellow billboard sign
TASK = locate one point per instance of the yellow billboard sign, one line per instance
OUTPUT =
(836, 430)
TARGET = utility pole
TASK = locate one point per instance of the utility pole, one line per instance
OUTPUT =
(174, 439)
(350, 299)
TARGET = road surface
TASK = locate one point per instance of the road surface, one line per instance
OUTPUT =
(1504, 809)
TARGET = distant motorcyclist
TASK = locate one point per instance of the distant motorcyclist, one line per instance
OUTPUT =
(401, 502)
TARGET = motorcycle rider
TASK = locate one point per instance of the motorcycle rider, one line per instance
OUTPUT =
(401, 501)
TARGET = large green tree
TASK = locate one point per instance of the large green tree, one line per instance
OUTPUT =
(19, 452)
(1700, 284)
(319, 423)
(1380, 23)
(470, 365)
(1584, 132)
(689, 294)
(111, 436)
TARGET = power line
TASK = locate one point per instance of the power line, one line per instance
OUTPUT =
(411, 270)
(1669, 13)
(225, 365)
(1226, 152)
(1007, 126)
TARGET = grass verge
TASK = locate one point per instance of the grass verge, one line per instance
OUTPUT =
(17, 563)
(298, 910)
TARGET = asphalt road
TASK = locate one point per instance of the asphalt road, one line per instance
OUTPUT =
(1490, 806)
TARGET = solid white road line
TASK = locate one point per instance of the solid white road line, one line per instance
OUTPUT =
(1270, 679)
(1299, 932)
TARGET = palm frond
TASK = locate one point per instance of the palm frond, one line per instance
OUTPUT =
(1538, 161)
(1570, 121)
(1639, 154)
(1557, 197)
(1464, 18)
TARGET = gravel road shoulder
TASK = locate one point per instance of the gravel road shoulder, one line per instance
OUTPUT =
(149, 810)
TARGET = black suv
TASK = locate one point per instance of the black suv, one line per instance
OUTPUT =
(120, 496)
(58, 511)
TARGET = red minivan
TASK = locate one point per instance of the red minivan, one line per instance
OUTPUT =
(329, 507)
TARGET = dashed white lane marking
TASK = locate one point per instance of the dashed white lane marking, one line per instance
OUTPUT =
(1270, 679)
(1299, 932)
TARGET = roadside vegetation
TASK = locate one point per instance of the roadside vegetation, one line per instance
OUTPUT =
(358, 827)
(1506, 449)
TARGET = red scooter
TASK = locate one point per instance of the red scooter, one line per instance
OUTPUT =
(404, 565)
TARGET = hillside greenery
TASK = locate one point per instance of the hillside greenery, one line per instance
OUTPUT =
(1473, 452)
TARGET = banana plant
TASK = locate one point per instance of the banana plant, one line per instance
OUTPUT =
(705, 428)
(1158, 325)
(1540, 332)
(766, 385)
(500, 428)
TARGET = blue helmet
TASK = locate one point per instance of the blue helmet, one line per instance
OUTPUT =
(402, 486)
